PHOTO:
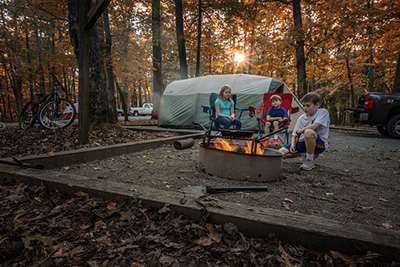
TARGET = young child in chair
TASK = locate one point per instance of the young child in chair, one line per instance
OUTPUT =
(311, 132)
(275, 115)
(225, 109)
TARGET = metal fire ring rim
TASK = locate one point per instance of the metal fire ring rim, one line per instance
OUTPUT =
(246, 154)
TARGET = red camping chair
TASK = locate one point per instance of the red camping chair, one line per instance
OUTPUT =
(262, 113)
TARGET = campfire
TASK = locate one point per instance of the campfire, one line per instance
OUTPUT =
(239, 157)
(223, 144)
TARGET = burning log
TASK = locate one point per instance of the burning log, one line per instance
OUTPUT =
(240, 149)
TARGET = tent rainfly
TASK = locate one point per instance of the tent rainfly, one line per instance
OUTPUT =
(182, 100)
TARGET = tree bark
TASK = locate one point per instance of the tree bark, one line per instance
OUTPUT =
(349, 76)
(100, 100)
(123, 97)
(299, 46)
(40, 59)
(370, 66)
(157, 56)
(140, 93)
(396, 85)
(198, 39)
(29, 62)
(180, 37)
(17, 87)
(110, 67)
(102, 109)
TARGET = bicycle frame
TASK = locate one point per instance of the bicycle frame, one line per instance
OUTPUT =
(45, 98)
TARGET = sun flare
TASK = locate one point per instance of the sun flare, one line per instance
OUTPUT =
(238, 57)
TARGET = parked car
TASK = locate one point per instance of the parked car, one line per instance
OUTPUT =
(147, 109)
(380, 109)
(120, 112)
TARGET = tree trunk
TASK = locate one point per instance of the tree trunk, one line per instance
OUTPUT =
(299, 46)
(140, 93)
(29, 62)
(157, 56)
(370, 66)
(40, 59)
(123, 97)
(110, 68)
(101, 101)
(349, 76)
(198, 39)
(396, 85)
(134, 96)
(102, 109)
(180, 37)
(17, 88)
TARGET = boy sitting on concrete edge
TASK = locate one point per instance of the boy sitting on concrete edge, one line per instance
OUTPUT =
(311, 132)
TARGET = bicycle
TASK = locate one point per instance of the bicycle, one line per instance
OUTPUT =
(51, 111)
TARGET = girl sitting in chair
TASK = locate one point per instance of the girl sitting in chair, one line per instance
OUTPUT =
(225, 109)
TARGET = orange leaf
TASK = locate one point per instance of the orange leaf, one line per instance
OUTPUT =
(387, 225)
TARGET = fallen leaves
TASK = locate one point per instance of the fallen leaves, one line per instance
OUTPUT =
(48, 229)
(40, 141)
(387, 225)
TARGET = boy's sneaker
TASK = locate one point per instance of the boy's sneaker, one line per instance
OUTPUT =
(276, 142)
(308, 165)
(265, 143)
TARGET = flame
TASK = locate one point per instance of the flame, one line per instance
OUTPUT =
(222, 144)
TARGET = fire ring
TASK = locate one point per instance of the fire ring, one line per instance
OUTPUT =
(263, 167)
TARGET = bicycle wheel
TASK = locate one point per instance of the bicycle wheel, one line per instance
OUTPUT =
(28, 115)
(57, 114)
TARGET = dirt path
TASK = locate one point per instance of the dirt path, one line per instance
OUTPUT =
(356, 180)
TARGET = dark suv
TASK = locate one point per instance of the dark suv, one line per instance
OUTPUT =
(382, 110)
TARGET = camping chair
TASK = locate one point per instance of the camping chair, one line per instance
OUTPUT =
(210, 109)
(262, 113)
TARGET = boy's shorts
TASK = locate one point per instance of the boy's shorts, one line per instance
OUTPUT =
(301, 146)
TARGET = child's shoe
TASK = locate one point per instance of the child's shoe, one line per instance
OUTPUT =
(308, 165)
(265, 143)
(276, 142)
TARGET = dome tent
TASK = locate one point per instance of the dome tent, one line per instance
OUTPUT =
(182, 100)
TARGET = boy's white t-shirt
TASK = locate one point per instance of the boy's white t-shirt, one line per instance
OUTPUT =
(321, 117)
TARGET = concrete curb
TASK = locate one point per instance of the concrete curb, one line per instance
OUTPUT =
(153, 128)
(309, 231)
(83, 155)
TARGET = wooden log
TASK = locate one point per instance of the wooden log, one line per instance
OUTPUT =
(185, 143)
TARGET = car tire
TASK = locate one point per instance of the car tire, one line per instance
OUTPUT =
(394, 126)
(136, 113)
(382, 130)
(120, 114)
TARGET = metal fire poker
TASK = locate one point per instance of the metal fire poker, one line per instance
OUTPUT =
(23, 165)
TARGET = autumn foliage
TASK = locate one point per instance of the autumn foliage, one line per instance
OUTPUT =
(349, 46)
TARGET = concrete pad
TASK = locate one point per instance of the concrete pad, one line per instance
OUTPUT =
(309, 231)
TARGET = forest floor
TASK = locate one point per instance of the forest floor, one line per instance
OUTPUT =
(41, 228)
(356, 181)
(15, 142)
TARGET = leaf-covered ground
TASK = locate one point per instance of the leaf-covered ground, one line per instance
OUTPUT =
(17, 142)
(41, 228)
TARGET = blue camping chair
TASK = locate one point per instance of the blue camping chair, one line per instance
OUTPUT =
(210, 109)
